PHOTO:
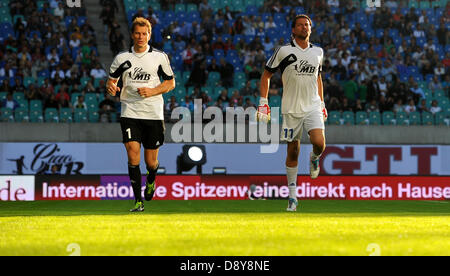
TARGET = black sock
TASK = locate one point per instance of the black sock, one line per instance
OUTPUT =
(151, 174)
(135, 178)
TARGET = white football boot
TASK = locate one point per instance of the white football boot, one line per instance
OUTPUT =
(314, 167)
(292, 205)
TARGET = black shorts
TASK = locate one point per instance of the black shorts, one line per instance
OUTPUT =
(148, 132)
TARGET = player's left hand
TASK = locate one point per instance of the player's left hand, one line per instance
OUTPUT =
(145, 92)
(324, 111)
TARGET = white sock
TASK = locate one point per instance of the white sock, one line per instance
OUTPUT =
(291, 173)
(314, 156)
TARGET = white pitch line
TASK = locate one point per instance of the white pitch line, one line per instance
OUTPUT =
(434, 201)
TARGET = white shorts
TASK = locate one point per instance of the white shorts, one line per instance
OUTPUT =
(292, 126)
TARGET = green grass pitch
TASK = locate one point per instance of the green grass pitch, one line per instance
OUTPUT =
(225, 228)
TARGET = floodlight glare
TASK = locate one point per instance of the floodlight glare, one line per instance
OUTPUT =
(192, 155)
(195, 153)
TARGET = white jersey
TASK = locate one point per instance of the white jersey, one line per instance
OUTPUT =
(141, 70)
(299, 72)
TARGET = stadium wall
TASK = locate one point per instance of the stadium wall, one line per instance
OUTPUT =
(110, 132)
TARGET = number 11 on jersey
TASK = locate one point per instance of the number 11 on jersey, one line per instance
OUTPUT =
(290, 131)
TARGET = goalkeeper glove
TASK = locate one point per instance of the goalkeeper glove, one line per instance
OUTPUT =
(263, 113)
(324, 111)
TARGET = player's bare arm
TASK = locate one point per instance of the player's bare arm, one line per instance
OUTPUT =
(320, 87)
(164, 87)
(265, 83)
(111, 87)
(263, 113)
(320, 92)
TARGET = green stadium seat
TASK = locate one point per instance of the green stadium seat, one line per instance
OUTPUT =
(218, 90)
(440, 119)
(275, 101)
(215, 4)
(178, 92)
(361, 118)
(180, 7)
(80, 115)
(18, 96)
(439, 94)
(65, 115)
(259, 3)
(21, 115)
(237, 6)
(28, 80)
(35, 105)
(388, 118)
(51, 115)
(36, 116)
(424, 5)
(23, 104)
(374, 118)
(178, 76)
(334, 118)
(349, 117)
(91, 98)
(428, 93)
(427, 118)
(93, 116)
(254, 83)
(443, 102)
(414, 118)
(186, 76)
(6, 115)
(213, 79)
(209, 91)
(3, 95)
(84, 81)
(401, 118)
(413, 4)
(239, 79)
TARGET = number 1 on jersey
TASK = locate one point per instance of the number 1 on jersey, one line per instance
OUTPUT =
(128, 130)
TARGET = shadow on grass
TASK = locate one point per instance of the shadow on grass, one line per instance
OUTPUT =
(326, 207)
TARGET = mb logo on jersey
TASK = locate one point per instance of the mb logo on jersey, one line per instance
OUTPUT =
(139, 75)
(303, 67)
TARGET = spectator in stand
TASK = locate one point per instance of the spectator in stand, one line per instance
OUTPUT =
(439, 71)
(417, 92)
(62, 94)
(383, 86)
(358, 106)
(79, 103)
(98, 72)
(51, 102)
(410, 107)
(398, 106)
(171, 105)
(9, 102)
(188, 104)
(373, 89)
(372, 106)
(422, 106)
(435, 108)
(226, 71)
(247, 90)
(435, 84)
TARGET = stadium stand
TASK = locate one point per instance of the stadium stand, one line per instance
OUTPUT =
(221, 45)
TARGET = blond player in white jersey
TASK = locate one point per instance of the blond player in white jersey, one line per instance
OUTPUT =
(302, 105)
(142, 117)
